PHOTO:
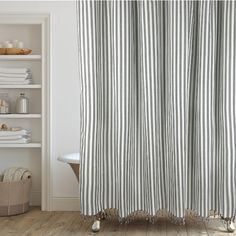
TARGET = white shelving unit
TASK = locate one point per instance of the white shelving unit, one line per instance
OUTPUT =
(34, 31)
(27, 145)
(20, 57)
(28, 86)
(20, 116)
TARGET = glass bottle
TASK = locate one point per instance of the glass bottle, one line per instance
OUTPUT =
(22, 104)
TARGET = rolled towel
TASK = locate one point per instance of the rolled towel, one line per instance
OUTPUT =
(14, 70)
(27, 175)
(16, 174)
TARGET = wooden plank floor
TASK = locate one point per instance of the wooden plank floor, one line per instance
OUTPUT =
(36, 222)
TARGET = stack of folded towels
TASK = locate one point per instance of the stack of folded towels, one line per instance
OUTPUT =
(15, 76)
(15, 137)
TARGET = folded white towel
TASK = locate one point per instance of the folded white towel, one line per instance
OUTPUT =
(27, 81)
(13, 137)
(16, 174)
(14, 70)
(16, 79)
(16, 141)
(21, 75)
(13, 133)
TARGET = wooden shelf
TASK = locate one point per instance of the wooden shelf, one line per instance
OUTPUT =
(20, 116)
(19, 145)
(20, 86)
(20, 57)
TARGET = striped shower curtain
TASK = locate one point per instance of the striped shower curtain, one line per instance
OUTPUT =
(158, 106)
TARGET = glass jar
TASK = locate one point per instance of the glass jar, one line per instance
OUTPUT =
(4, 103)
(22, 104)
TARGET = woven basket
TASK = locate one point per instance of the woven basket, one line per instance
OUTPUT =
(15, 51)
(14, 197)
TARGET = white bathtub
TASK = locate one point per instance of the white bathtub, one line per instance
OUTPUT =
(73, 160)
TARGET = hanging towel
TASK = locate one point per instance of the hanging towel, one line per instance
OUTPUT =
(16, 174)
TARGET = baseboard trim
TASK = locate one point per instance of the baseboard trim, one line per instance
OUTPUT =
(65, 204)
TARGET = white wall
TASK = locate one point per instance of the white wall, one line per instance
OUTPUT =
(64, 93)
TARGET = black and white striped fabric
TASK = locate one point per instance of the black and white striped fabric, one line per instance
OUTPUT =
(158, 106)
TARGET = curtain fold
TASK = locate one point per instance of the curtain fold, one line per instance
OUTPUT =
(158, 113)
